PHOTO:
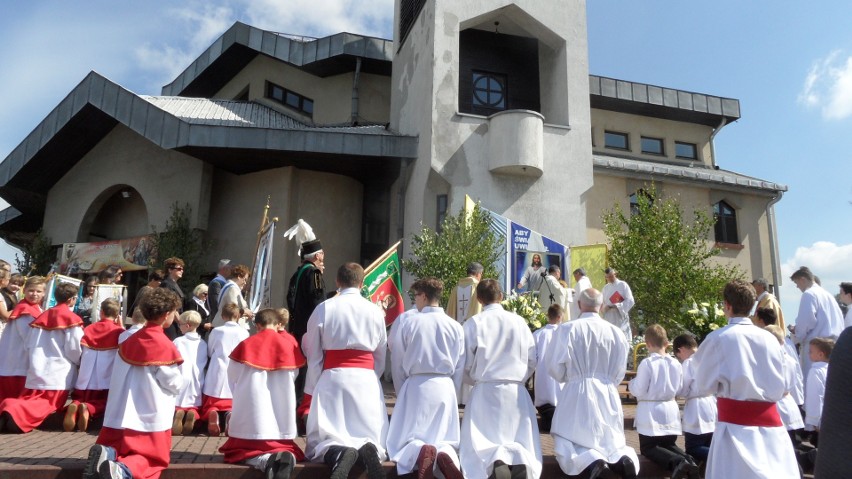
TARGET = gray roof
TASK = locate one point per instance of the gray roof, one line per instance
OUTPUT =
(246, 114)
(241, 43)
(661, 102)
(210, 130)
(718, 178)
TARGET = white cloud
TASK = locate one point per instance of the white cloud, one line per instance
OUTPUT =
(322, 17)
(828, 86)
(832, 263)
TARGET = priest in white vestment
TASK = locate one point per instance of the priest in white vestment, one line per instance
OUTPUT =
(345, 345)
(429, 348)
(551, 292)
(462, 303)
(581, 283)
(499, 430)
(590, 356)
(744, 366)
(819, 314)
(617, 302)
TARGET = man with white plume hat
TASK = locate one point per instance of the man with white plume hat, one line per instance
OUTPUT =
(307, 289)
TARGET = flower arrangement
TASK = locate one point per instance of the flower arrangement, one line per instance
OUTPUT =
(704, 318)
(526, 306)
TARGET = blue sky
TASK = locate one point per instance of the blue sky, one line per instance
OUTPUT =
(789, 63)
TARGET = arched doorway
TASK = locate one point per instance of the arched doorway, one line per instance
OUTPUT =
(118, 212)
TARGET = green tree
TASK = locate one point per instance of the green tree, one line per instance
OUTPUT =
(38, 257)
(667, 262)
(179, 240)
(463, 239)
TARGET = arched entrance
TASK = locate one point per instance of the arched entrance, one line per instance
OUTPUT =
(118, 212)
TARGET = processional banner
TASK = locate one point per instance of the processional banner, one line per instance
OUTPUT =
(383, 284)
(261, 278)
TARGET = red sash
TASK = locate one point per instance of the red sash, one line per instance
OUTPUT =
(748, 413)
(347, 358)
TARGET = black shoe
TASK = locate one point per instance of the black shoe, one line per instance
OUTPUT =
(519, 471)
(280, 465)
(500, 471)
(626, 467)
(341, 460)
(598, 469)
(369, 456)
(685, 469)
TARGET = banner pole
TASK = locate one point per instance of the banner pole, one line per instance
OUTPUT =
(381, 258)
(264, 223)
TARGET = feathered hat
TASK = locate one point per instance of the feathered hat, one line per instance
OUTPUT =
(305, 237)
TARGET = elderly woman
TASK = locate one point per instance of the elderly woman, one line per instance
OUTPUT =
(232, 293)
(198, 303)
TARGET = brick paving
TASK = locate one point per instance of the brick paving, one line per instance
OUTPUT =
(49, 453)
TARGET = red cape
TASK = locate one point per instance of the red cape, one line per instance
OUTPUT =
(149, 347)
(57, 317)
(25, 308)
(101, 336)
(270, 351)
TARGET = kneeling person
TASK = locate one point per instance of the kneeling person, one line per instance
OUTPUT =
(424, 429)
(136, 439)
(261, 375)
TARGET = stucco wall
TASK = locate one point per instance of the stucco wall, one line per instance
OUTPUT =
(331, 204)
(123, 157)
(754, 257)
(637, 126)
(332, 95)
(425, 102)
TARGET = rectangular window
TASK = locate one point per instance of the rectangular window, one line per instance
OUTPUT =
(652, 146)
(616, 140)
(688, 151)
(442, 212)
(291, 99)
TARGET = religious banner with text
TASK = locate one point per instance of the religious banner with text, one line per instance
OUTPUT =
(383, 284)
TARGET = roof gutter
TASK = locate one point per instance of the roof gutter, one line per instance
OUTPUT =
(712, 137)
(773, 239)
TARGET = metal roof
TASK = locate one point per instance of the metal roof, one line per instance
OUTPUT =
(239, 137)
(247, 114)
(718, 178)
(241, 43)
(661, 102)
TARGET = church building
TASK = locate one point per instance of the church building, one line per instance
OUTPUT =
(367, 139)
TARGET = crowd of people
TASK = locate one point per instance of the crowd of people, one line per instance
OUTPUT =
(751, 409)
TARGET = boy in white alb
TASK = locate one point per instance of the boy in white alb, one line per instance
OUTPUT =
(499, 433)
(819, 353)
(787, 407)
(744, 367)
(100, 345)
(54, 348)
(699, 411)
(547, 389)
(193, 350)
(429, 347)
(657, 381)
(136, 439)
(345, 345)
(217, 396)
(262, 375)
(14, 358)
(137, 322)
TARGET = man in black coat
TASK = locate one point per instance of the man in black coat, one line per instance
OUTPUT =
(174, 272)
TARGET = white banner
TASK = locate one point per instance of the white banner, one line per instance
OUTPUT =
(261, 277)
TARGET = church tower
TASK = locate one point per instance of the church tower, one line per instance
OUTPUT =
(498, 93)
